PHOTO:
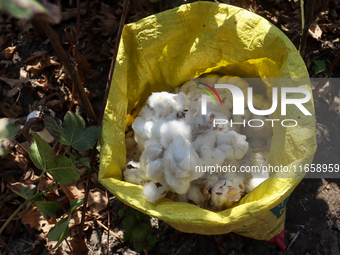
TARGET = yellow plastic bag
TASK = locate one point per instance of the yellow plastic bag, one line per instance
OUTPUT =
(161, 52)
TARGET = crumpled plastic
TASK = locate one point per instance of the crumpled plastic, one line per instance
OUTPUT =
(161, 52)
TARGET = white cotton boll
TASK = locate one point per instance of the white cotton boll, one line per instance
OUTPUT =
(210, 181)
(134, 175)
(219, 192)
(238, 183)
(162, 103)
(171, 129)
(142, 130)
(177, 157)
(44, 134)
(147, 114)
(178, 185)
(154, 191)
(195, 195)
(259, 157)
(207, 138)
(181, 102)
(237, 141)
(256, 180)
(227, 150)
(154, 170)
(151, 152)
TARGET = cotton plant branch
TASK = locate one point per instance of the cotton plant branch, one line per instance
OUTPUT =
(23, 204)
(72, 71)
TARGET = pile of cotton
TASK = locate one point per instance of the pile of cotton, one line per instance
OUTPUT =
(172, 146)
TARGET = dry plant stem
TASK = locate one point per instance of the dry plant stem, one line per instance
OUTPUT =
(69, 246)
(6, 245)
(69, 68)
(305, 31)
(78, 28)
(22, 206)
(87, 190)
(113, 62)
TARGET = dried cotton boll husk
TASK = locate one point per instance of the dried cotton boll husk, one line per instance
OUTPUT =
(154, 191)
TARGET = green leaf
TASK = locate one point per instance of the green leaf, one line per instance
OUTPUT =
(151, 240)
(47, 208)
(73, 132)
(319, 66)
(61, 168)
(74, 204)
(140, 231)
(79, 160)
(24, 190)
(43, 157)
(139, 247)
(8, 130)
(59, 232)
(85, 163)
(28, 8)
(128, 222)
(41, 153)
(121, 212)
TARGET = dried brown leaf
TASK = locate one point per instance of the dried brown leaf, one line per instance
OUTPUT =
(97, 201)
(315, 31)
(8, 52)
(74, 191)
(16, 110)
(34, 218)
(35, 55)
(335, 107)
(44, 62)
(14, 83)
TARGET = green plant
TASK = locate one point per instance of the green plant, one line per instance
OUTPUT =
(137, 228)
(320, 67)
(74, 135)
